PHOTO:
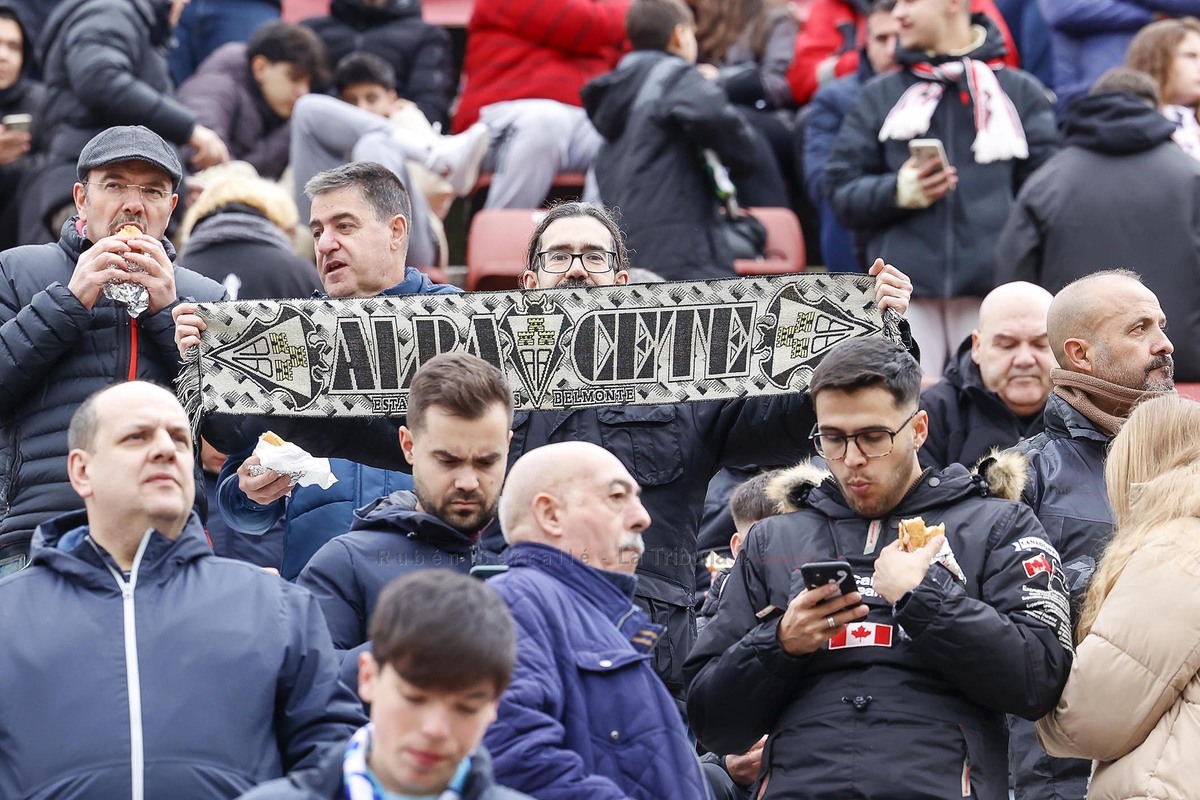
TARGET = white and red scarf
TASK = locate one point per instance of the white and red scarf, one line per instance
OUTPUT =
(999, 135)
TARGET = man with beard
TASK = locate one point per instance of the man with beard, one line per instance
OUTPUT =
(456, 438)
(1108, 334)
(898, 689)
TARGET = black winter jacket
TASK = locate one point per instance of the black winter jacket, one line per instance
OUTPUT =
(235, 673)
(224, 96)
(420, 53)
(1121, 194)
(919, 712)
(327, 781)
(966, 419)
(657, 113)
(54, 353)
(103, 65)
(1060, 475)
(946, 248)
(238, 247)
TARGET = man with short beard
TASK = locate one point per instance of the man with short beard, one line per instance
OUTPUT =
(1108, 334)
(456, 439)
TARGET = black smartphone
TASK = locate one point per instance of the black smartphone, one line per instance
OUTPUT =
(820, 573)
(485, 571)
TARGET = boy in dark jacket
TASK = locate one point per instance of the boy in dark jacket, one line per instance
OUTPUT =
(657, 113)
(442, 652)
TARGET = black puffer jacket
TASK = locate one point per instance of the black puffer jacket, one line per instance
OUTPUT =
(947, 248)
(966, 419)
(1121, 194)
(224, 96)
(54, 353)
(1061, 471)
(920, 710)
(419, 53)
(656, 113)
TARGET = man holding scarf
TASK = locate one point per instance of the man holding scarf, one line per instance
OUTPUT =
(996, 125)
(1108, 334)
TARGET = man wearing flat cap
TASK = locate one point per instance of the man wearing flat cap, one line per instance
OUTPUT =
(92, 309)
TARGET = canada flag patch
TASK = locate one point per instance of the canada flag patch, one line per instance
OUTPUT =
(1037, 564)
(862, 634)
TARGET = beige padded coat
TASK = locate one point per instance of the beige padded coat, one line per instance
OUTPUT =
(1132, 702)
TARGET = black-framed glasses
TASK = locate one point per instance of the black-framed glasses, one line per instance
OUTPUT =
(115, 189)
(559, 261)
(872, 443)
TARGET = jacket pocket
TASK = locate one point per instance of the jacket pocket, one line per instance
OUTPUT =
(604, 677)
(646, 439)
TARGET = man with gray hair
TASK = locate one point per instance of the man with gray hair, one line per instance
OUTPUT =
(585, 714)
(88, 310)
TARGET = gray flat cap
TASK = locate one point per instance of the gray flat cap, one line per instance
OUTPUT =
(129, 143)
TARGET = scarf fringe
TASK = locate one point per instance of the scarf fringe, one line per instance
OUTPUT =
(187, 389)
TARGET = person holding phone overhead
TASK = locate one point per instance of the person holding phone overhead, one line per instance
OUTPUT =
(936, 205)
(918, 666)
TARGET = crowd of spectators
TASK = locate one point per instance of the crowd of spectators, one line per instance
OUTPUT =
(1021, 179)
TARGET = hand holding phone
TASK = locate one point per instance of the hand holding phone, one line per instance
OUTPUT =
(813, 617)
(925, 150)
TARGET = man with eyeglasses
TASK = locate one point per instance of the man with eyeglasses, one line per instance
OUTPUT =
(899, 689)
(66, 332)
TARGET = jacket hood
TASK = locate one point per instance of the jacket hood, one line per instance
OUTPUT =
(961, 370)
(992, 48)
(59, 544)
(808, 486)
(1006, 473)
(365, 13)
(610, 98)
(397, 513)
(28, 49)
(1115, 123)
(235, 222)
(789, 489)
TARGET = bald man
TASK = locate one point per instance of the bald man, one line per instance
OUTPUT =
(993, 392)
(585, 716)
(1108, 333)
(185, 675)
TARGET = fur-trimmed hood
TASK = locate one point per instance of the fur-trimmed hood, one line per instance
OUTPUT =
(1006, 473)
(789, 489)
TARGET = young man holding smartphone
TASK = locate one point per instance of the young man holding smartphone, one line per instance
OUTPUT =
(940, 217)
(899, 689)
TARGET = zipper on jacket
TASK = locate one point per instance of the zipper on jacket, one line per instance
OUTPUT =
(133, 349)
(949, 200)
(133, 679)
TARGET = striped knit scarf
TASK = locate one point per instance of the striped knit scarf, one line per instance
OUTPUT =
(999, 135)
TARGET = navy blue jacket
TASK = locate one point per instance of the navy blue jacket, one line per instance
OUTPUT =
(966, 419)
(54, 354)
(236, 678)
(585, 715)
(1091, 36)
(388, 538)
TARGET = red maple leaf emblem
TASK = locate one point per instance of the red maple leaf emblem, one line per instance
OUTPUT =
(860, 632)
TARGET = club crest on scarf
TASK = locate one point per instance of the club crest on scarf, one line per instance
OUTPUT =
(560, 348)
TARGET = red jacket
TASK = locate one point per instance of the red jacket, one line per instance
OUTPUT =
(838, 28)
(518, 49)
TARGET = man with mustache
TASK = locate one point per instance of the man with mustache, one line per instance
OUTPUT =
(1108, 334)
(585, 715)
(456, 437)
(993, 391)
(63, 337)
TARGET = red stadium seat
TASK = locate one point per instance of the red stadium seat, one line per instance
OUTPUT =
(1189, 390)
(297, 10)
(448, 13)
(785, 244)
(496, 246)
(436, 274)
